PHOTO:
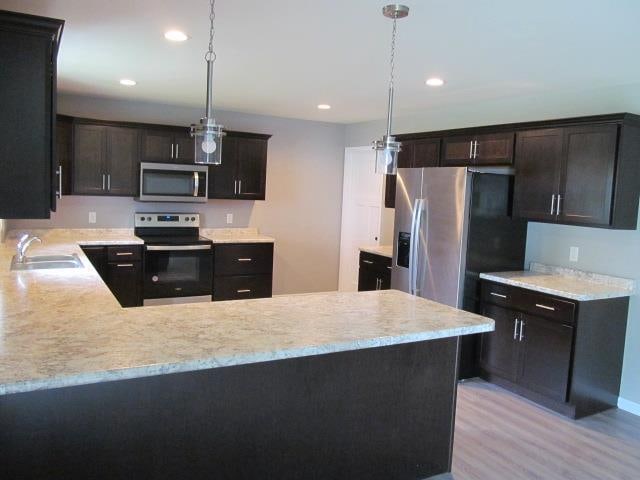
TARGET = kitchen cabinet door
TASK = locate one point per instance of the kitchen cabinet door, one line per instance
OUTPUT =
(499, 349)
(125, 282)
(426, 153)
(64, 149)
(122, 155)
(538, 163)
(494, 149)
(157, 146)
(184, 147)
(252, 168)
(457, 151)
(588, 175)
(405, 157)
(222, 178)
(89, 159)
(546, 356)
(367, 279)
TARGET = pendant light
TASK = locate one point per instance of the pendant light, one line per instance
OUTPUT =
(387, 149)
(207, 134)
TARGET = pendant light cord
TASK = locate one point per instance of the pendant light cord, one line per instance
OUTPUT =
(393, 52)
(211, 55)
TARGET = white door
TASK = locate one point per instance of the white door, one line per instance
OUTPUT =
(362, 201)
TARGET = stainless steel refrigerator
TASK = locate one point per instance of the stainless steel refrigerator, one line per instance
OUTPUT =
(451, 224)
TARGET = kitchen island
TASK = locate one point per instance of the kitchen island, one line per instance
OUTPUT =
(329, 385)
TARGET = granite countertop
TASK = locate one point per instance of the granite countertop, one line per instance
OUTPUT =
(235, 235)
(64, 327)
(383, 250)
(565, 282)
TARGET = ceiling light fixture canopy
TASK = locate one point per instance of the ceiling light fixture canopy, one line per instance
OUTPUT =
(387, 149)
(208, 134)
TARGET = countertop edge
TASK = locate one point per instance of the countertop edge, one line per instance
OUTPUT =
(209, 363)
(377, 251)
(551, 291)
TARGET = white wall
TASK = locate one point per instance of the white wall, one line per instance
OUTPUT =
(302, 209)
(604, 251)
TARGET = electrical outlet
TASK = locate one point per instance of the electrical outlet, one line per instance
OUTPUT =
(229, 218)
(573, 254)
(92, 217)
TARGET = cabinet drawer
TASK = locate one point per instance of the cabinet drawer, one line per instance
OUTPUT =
(377, 262)
(124, 253)
(243, 259)
(536, 303)
(241, 287)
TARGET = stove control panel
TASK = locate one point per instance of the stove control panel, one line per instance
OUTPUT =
(167, 220)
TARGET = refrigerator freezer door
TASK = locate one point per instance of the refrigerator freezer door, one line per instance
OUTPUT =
(408, 190)
(442, 234)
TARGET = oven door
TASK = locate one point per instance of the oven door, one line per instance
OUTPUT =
(167, 182)
(177, 271)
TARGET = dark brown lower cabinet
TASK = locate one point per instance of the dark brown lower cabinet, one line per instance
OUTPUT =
(564, 354)
(242, 271)
(374, 272)
(121, 269)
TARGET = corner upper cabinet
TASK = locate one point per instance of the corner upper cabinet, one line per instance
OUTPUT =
(243, 172)
(489, 149)
(28, 51)
(579, 175)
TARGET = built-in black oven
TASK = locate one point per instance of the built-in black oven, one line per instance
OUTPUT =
(178, 263)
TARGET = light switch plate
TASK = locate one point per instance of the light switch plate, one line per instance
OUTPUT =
(573, 254)
(229, 218)
(92, 217)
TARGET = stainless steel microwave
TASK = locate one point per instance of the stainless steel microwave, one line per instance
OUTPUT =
(170, 182)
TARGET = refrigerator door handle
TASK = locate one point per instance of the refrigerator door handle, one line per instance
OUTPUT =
(416, 255)
(413, 239)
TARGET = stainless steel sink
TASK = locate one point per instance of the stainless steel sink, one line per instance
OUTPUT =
(41, 262)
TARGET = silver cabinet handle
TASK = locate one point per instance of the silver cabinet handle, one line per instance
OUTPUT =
(172, 150)
(498, 295)
(390, 268)
(108, 182)
(521, 331)
(123, 254)
(243, 290)
(245, 259)
(475, 150)
(471, 149)
(196, 183)
(177, 150)
(59, 172)
(558, 206)
(553, 203)
(239, 186)
(104, 179)
(235, 187)
(515, 329)
(539, 305)
(367, 261)
(124, 265)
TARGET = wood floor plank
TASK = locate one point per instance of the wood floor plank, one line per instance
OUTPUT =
(499, 435)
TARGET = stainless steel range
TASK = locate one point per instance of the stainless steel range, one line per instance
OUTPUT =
(178, 262)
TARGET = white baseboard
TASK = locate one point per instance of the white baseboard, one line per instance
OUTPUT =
(629, 406)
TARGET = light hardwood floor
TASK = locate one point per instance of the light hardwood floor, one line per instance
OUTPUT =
(500, 435)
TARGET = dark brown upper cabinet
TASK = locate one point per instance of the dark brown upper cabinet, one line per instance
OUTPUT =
(28, 57)
(167, 144)
(64, 152)
(243, 172)
(490, 149)
(105, 160)
(579, 175)
(414, 154)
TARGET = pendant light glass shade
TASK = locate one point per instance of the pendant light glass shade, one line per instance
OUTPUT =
(387, 151)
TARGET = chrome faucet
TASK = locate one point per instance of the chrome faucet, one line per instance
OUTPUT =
(23, 245)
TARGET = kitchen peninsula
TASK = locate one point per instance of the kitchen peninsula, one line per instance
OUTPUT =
(328, 385)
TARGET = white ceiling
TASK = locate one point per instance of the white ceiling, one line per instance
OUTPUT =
(285, 57)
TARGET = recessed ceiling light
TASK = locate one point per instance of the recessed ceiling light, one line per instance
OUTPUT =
(435, 82)
(324, 106)
(127, 82)
(175, 36)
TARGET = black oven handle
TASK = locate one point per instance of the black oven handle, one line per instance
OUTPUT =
(173, 248)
